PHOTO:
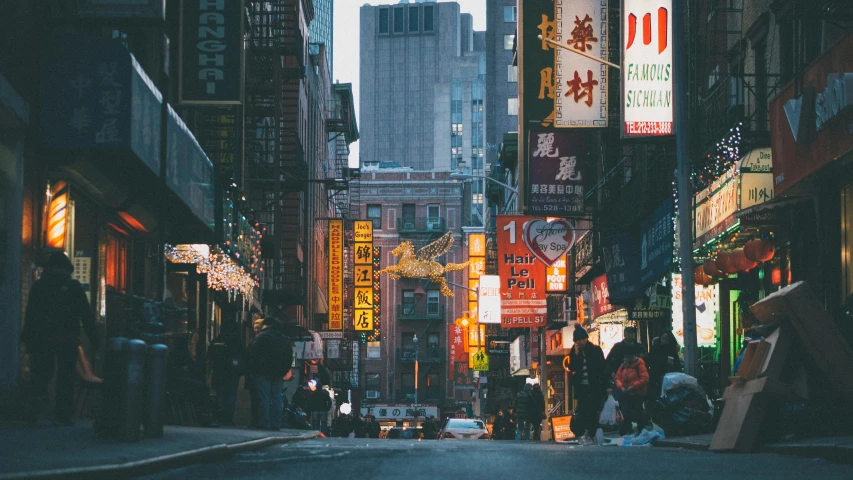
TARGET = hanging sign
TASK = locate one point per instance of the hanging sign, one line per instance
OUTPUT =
(456, 346)
(556, 165)
(489, 308)
(365, 272)
(656, 243)
(622, 264)
(600, 297)
(522, 274)
(336, 274)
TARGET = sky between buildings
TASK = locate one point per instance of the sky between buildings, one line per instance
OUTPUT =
(346, 47)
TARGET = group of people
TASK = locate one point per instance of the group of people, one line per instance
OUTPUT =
(629, 373)
(524, 420)
(353, 425)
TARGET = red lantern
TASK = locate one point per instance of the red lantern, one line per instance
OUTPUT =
(699, 276)
(741, 262)
(776, 276)
(724, 262)
(711, 269)
(764, 250)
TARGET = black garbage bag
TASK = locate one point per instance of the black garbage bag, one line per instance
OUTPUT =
(683, 411)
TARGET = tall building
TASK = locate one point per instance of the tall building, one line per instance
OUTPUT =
(501, 74)
(321, 30)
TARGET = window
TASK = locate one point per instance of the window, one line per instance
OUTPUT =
(512, 106)
(414, 19)
(408, 302)
(508, 41)
(456, 128)
(407, 380)
(383, 20)
(510, 14)
(116, 262)
(433, 216)
(408, 341)
(409, 214)
(428, 19)
(512, 73)
(432, 303)
(432, 338)
(374, 212)
(372, 381)
(399, 19)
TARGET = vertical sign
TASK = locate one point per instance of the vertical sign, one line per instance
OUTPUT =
(377, 297)
(476, 268)
(522, 275)
(647, 93)
(581, 83)
(489, 308)
(555, 276)
(211, 52)
(456, 351)
(556, 180)
(365, 276)
(336, 274)
(657, 236)
(600, 297)
(622, 265)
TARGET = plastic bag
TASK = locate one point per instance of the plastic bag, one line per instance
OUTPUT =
(676, 379)
(610, 414)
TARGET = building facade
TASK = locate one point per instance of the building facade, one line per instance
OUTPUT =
(502, 74)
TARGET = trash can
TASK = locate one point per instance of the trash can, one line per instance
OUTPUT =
(133, 394)
(115, 370)
(155, 389)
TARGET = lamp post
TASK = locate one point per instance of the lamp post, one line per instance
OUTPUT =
(417, 352)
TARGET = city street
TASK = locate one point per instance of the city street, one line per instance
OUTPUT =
(378, 459)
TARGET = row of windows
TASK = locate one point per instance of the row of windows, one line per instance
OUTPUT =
(374, 212)
(407, 19)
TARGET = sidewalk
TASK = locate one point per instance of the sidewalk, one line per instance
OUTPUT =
(836, 449)
(44, 451)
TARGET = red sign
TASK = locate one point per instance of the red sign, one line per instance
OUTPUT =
(600, 297)
(523, 299)
(456, 347)
(811, 129)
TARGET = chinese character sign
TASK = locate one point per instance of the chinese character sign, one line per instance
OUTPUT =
(211, 48)
(647, 86)
(622, 264)
(365, 276)
(455, 347)
(600, 297)
(522, 276)
(580, 82)
(556, 172)
(336, 272)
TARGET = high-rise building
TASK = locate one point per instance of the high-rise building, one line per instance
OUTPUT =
(320, 29)
(502, 75)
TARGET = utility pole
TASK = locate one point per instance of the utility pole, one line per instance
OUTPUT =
(685, 189)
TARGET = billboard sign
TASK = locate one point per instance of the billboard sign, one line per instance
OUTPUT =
(336, 275)
(522, 274)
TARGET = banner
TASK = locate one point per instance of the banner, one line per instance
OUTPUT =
(647, 71)
(456, 347)
(363, 257)
(622, 264)
(556, 165)
(336, 274)
(210, 63)
(522, 275)
(656, 244)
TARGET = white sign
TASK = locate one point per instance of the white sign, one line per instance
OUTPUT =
(395, 412)
(717, 202)
(489, 306)
(647, 86)
(373, 350)
(331, 334)
(312, 350)
(756, 177)
(707, 299)
(581, 82)
(333, 348)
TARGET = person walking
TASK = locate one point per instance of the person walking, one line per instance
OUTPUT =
(663, 359)
(523, 411)
(319, 404)
(371, 426)
(499, 426)
(56, 308)
(537, 412)
(614, 358)
(589, 381)
(270, 359)
(228, 361)
(632, 383)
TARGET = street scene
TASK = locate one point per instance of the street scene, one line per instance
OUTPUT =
(421, 238)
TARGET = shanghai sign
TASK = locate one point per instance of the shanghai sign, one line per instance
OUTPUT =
(523, 302)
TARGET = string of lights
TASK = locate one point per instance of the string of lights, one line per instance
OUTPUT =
(223, 273)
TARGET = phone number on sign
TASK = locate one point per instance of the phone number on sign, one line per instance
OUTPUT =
(648, 128)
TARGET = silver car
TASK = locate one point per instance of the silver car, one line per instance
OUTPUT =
(463, 429)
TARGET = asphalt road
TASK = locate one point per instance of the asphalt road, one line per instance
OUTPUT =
(341, 458)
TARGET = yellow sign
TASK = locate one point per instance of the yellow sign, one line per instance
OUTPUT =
(336, 274)
(363, 231)
(473, 339)
(363, 320)
(472, 310)
(477, 245)
(363, 254)
(476, 267)
(363, 297)
(561, 425)
(474, 286)
(478, 360)
(363, 275)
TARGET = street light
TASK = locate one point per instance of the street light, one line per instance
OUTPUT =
(468, 176)
(417, 352)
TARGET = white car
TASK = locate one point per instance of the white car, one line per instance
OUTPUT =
(463, 429)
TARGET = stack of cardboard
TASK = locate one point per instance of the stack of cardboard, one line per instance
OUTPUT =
(765, 374)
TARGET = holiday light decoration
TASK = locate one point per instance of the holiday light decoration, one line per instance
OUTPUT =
(726, 153)
(223, 273)
(422, 263)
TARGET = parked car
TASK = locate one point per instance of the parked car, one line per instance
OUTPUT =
(463, 429)
(404, 433)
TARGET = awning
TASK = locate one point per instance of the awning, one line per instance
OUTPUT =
(771, 205)
(522, 373)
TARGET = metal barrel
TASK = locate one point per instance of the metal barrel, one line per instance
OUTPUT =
(115, 372)
(155, 389)
(133, 395)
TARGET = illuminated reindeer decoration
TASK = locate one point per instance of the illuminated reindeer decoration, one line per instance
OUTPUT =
(422, 264)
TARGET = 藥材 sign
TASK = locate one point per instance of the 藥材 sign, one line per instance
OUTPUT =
(556, 180)
(522, 275)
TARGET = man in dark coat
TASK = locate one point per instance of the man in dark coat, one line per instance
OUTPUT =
(523, 409)
(270, 359)
(537, 412)
(56, 308)
(589, 381)
(371, 426)
(429, 428)
(663, 359)
(319, 404)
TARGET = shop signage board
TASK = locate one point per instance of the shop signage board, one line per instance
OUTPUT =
(336, 275)
(456, 346)
(581, 83)
(489, 308)
(561, 426)
(656, 243)
(189, 172)
(707, 306)
(609, 334)
(210, 63)
(522, 274)
(556, 276)
(478, 360)
(556, 172)
(715, 207)
(622, 264)
(518, 354)
(583, 253)
(374, 350)
(363, 304)
(647, 70)
(476, 268)
(473, 339)
(498, 346)
(396, 412)
(600, 297)
(756, 178)
(462, 374)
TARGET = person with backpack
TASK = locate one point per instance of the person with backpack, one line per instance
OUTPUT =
(56, 308)
(228, 362)
(270, 359)
(632, 384)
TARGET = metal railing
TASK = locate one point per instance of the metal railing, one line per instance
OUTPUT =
(427, 354)
(420, 311)
(420, 224)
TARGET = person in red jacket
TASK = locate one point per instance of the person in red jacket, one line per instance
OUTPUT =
(632, 383)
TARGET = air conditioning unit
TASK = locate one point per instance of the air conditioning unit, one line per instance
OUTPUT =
(434, 224)
(372, 394)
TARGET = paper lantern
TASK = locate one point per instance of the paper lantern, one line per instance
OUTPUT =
(711, 269)
(699, 277)
(763, 250)
(741, 262)
(724, 262)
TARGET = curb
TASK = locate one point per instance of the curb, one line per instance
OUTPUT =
(685, 445)
(158, 464)
(832, 453)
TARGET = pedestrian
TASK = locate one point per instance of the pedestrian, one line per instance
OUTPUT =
(537, 412)
(371, 426)
(499, 426)
(589, 381)
(185, 377)
(430, 428)
(319, 403)
(301, 398)
(663, 359)
(511, 424)
(228, 362)
(523, 411)
(270, 359)
(357, 424)
(632, 383)
(342, 425)
(257, 326)
(614, 358)
(56, 308)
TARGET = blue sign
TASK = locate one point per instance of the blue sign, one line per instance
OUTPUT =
(96, 96)
(622, 264)
(189, 172)
(656, 244)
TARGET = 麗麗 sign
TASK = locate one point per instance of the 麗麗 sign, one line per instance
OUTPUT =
(647, 87)
(211, 52)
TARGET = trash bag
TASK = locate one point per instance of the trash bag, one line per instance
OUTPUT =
(610, 414)
(683, 410)
(676, 379)
(644, 437)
